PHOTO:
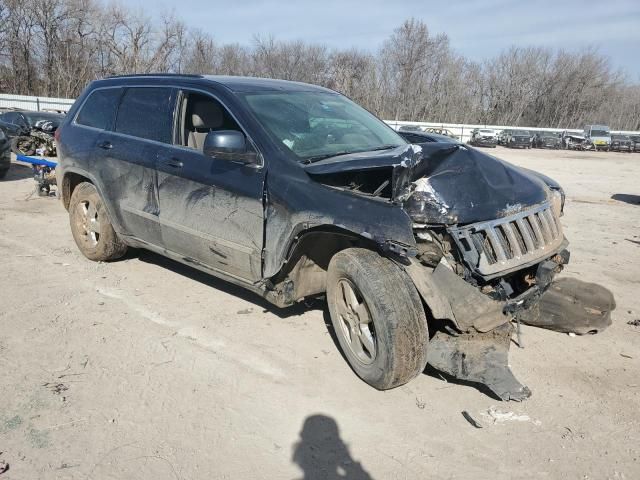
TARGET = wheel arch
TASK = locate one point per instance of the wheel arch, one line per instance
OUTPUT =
(71, 178)
(304, 269)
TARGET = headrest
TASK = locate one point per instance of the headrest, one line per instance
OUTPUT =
(206, 114)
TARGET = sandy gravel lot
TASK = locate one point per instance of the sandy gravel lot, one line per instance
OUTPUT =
(146, 369)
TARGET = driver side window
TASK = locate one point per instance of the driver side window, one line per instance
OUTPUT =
(198, 115)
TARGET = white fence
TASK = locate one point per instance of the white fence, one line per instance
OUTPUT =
(462, 131)
(34, 103)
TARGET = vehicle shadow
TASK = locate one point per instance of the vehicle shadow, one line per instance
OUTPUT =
(322, 455)
(625, 197)
(219, 284)
(18, 172)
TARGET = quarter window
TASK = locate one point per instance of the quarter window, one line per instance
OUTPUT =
(100, 108)
(146, 112)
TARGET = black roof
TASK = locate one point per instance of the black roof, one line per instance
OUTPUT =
(235, 84)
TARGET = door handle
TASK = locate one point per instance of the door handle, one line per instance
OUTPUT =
(106, 145)
(173, 163)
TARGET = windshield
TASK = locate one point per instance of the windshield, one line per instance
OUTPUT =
(316, 125)
(620, 137)
(520, 132)
(486, 131)
(600, 133)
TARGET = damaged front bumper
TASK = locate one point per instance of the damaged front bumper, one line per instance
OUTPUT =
(477, 349)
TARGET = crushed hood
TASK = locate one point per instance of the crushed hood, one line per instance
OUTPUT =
(445, 183)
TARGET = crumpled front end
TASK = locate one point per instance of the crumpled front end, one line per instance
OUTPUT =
(488, 244)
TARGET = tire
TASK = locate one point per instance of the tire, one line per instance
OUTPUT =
(3, 173)
(18, 149)
(90, 225)
(391, 346)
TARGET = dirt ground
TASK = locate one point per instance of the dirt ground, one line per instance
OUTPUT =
(147, 369)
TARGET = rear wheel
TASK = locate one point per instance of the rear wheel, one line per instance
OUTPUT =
(90, 225)
(378, 318)
(3, 173)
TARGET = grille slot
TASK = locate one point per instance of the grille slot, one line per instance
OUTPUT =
(498, 245)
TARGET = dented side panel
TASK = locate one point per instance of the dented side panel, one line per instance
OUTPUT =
(295, 203)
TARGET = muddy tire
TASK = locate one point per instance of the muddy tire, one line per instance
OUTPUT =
(378, 318)
(90, 225)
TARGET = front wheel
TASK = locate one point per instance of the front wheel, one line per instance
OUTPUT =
(90, 225)
(378, 318)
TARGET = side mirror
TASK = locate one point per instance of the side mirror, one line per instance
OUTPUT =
(229, 145)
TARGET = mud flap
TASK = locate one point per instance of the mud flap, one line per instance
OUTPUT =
(571, 306)
(479, 357)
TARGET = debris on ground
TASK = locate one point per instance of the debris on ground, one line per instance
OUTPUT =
(494, 416)
(4, 466)
(467, 416)
(572, 306)
(420, 403)
(634, 323)
(245, 311)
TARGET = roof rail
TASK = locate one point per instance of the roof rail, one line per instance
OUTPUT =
(188, 75)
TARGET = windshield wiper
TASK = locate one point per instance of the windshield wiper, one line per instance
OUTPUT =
(317, 158)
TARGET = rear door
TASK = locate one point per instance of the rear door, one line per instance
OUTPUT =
(142, 131)
(211, 209)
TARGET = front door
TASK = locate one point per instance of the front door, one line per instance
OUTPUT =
(211, 209)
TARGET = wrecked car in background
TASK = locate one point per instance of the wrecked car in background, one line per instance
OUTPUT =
(546, 140)
(483, 137)
(426, 253)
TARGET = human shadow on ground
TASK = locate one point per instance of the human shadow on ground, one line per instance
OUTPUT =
(626, 198)
(322, 455)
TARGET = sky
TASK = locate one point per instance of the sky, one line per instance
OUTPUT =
(476, 29)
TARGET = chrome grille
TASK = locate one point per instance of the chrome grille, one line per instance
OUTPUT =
(510, 242)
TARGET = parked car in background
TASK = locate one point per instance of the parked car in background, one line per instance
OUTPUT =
(5, 155)
(518, 139)
(635, 141)
(424, 137)
(442, 131)
(25, 120)
(503, 135)
(31, 132)
(546, 140)
(483, 137)
(621, 143)
(599, 136)
(574, 141)
(410, 128)
(11, 130)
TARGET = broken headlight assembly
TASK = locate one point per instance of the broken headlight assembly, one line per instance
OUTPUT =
(557, 201)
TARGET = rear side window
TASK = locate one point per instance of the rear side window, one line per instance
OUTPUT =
(146, 113)
(99, 109)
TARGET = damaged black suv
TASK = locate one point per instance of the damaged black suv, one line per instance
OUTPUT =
(426, 253)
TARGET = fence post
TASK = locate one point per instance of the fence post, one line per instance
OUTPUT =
(38, 103)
